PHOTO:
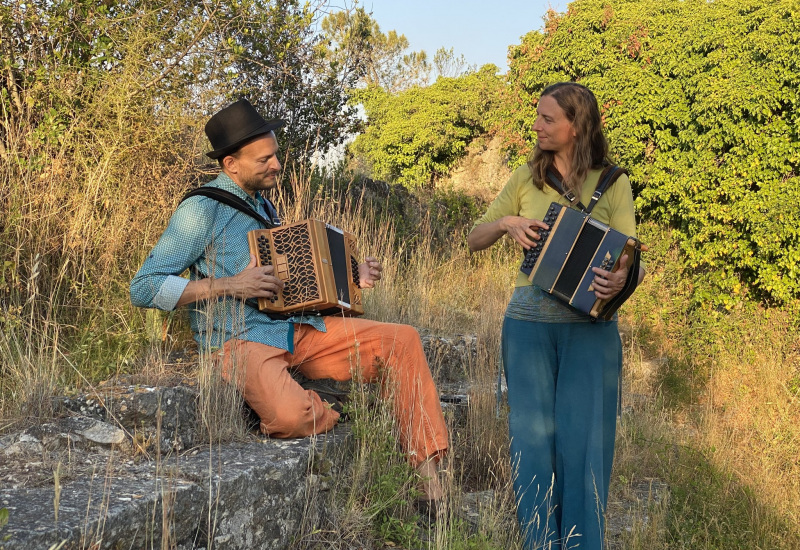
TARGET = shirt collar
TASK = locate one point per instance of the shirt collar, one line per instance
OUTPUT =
(224, 181)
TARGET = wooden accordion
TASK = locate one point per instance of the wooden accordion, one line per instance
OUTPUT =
(561, 263)
(318, 265)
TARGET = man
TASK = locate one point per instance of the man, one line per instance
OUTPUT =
(255, 351)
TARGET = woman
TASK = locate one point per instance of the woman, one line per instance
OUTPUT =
(562, 369)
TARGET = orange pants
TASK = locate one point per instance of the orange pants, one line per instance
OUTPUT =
(350, 348)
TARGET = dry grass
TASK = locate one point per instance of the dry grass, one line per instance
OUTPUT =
(723, 388)
(751, 411)
(712, 408)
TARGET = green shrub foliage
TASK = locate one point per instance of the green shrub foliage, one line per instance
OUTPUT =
(417, 135)
(700, 102)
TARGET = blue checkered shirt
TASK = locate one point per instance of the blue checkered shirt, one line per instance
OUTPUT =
(210, 239)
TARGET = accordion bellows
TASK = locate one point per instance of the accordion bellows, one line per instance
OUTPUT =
(318, 264)
(562, 262)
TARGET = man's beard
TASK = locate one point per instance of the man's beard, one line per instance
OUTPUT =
(260, 183)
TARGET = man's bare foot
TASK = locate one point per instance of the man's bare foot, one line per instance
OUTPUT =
(429, 485)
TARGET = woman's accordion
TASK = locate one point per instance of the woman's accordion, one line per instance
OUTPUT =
(318, 265)
(561, 264)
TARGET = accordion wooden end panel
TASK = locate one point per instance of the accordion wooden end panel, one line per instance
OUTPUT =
(318, 264)
(561, 264)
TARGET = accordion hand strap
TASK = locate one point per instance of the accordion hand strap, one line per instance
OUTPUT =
(631, 282)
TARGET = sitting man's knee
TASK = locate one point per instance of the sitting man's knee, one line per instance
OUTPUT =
(407, 334)
(297, 418)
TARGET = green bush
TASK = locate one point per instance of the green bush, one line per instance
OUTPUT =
(414, 136)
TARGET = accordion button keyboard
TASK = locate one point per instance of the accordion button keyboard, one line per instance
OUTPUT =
(532, 255)
(354, 271)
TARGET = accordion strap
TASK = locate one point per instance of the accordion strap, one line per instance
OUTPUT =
(556, 184)
(228, 198)
(609, 175)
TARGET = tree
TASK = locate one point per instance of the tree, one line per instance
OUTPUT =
(102, 107)
(276, 60)
(356, 45)
(445, 63)
(413, 137)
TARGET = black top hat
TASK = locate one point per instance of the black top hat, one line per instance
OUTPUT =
(230, 128)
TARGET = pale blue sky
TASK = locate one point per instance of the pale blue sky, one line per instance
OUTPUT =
(481, 31)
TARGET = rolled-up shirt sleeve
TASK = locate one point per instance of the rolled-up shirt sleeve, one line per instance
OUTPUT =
(158, 283)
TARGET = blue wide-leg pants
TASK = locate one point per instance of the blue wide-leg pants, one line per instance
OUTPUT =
(563, 392)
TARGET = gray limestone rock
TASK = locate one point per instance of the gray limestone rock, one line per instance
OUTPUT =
(449, 356)
(169, 412)
(237, 496)
(73, 431)
(22, 444)
(634, 510)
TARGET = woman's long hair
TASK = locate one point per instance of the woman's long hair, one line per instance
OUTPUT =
(591, 147)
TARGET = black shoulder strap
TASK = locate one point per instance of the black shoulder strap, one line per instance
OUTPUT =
(556, 184)
(609, 175)
(226, 197)
(272, 212)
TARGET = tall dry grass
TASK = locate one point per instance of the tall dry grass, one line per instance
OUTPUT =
(707, 394)
(94, 156)
(712, 409)
(439, 287)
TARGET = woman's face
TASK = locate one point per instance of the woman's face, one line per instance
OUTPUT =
(553, 130)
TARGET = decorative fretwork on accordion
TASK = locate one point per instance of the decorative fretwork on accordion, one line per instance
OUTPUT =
(318, 265)
(561, 264)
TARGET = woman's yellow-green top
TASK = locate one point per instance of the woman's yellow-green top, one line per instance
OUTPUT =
(520, 197)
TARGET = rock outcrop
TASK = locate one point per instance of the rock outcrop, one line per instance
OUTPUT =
(237, 495)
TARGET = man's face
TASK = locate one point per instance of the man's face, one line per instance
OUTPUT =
(255, 167)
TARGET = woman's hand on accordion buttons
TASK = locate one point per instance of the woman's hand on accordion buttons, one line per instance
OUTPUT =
(255, 281)
(523, 230)
(608, 284)
(369, 272)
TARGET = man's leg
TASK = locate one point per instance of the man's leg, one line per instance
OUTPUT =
(387, 352)
(285, 409)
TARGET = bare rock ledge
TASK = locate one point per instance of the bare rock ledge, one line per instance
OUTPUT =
(238, 496)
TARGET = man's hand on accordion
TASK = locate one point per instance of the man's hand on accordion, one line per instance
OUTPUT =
(608, 284)
(369, 272)
(255, 282)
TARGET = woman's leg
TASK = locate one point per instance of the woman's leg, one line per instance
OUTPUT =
(530, 360)
(586, 399)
